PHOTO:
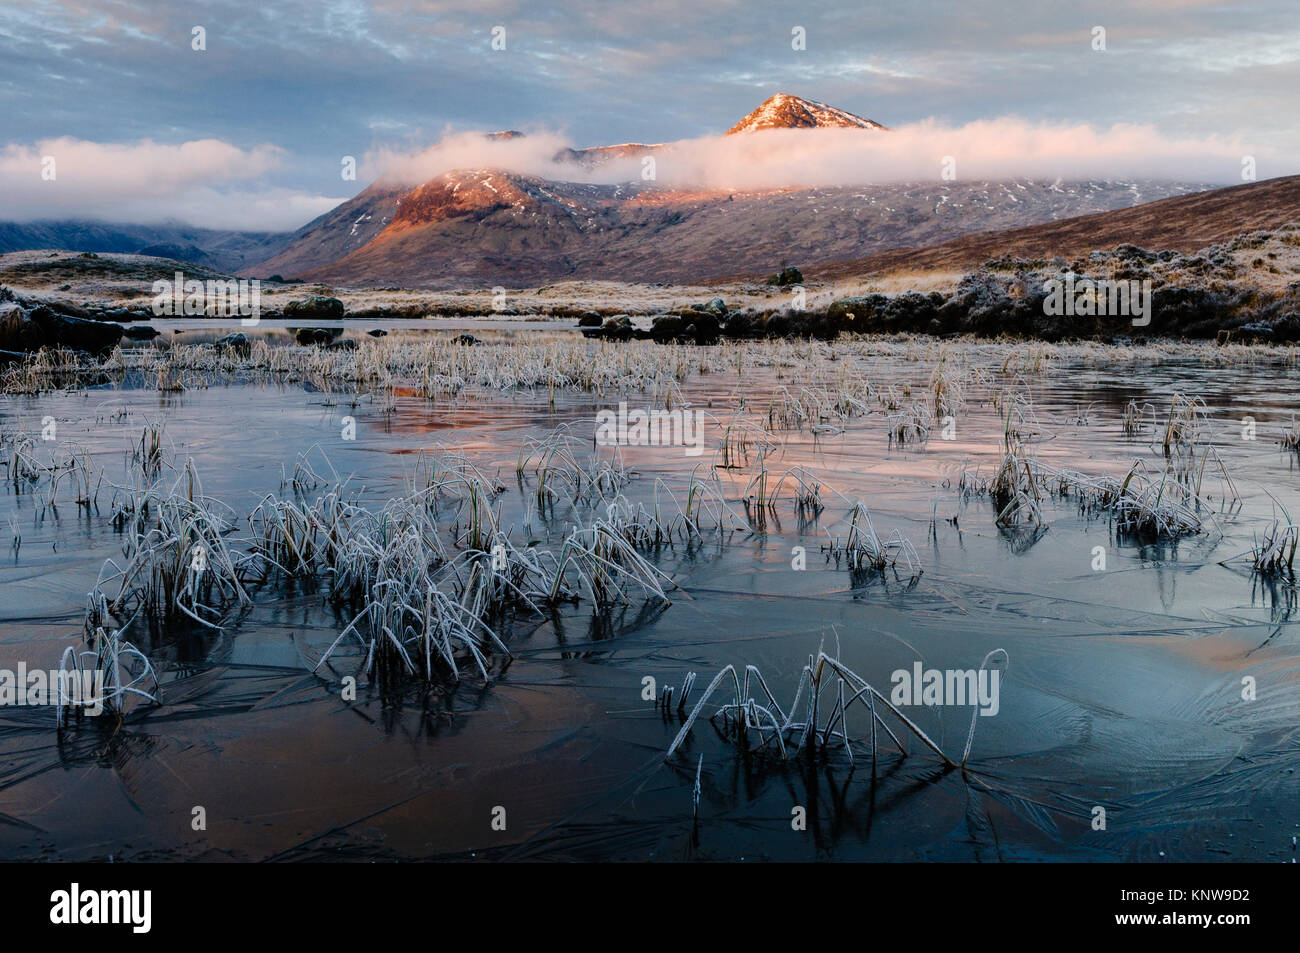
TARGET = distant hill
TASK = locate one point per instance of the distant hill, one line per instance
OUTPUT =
(228, 251)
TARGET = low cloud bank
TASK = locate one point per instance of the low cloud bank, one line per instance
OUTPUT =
(206, 183)
(989, 149)
(214, 184)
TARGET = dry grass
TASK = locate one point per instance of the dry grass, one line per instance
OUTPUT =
(863, 549)
(754, 710)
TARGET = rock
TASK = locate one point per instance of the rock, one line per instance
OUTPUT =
(666, 328)
(307, 336)
(717, 306)
(69, 309)
(377, 333)
(237, 342)
(741, 324)
(30, 330)
(17, 332)
(694, 327)
(346, 344)
(1193, 311)
(590, 320)
(618, 328)
(140, 332)
(707, 328)
(466, 339)
(1286, 330)
(779, 324)
(1127, 250)
(786, 276)
(119, 315)
(1256, 331)
(317, 306)
(856, 314)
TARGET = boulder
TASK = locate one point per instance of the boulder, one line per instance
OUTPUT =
(316, 335)
(1254, 331)
(618, 328)
(789, 275)
(1287, 329)
(30, 330)
(466, 339)
(691, 312)
(140, 332)
(742, 324)
(237, 342)
(707, 327)
(666, 328)
(856, 314)
(316, 306)
(1193, 311)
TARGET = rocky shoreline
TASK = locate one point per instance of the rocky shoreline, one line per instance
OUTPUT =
(1238, 291)
(1214, 294)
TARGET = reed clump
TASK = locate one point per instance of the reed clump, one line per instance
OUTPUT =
(754, 718)
(863, 549)
(1275, 550)
(125, 673)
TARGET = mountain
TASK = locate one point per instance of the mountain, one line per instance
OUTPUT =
(1184, 224)
(484, 227)
(784, 111)
(227, 251)
(487, 227)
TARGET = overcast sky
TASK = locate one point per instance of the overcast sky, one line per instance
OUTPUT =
(285, 89)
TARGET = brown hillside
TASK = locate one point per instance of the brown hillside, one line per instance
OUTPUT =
(1183, 223)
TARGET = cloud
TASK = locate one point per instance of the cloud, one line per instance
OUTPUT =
(531, 154)
(206, 182)
(995, 149)
(214, 184)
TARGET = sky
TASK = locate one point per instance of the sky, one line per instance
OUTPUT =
(251, 131)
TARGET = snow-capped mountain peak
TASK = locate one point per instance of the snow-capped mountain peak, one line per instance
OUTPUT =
(784, 111)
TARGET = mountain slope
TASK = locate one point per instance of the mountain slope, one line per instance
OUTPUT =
(1184, 223)
(338, 232)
